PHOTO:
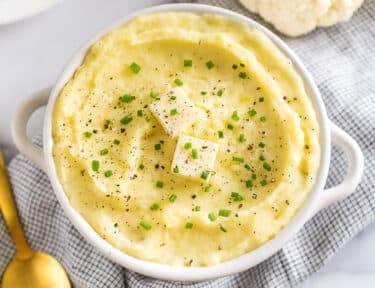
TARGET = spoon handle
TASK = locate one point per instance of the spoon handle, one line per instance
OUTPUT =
(9, 211)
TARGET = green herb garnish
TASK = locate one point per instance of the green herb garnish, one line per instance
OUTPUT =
(159, 184)
(108, 173)
(263, 182)
(220, 134)
(247, 167)
(224, 212)
(261, 145)
(126, 119)
(210, 64)
(266, 166)
(157, 146)
(145, 225)
(238, 159)
(262, 158)
(188, 63)
(178, 82)
(172, 198)
(252, 112)
(261, 99)
(194, 153)
(236, 196)
(173, 112)
(139, 113)
(141, 166)
(95, 165)
(135, 68)
(212, 216)
(249, 184)
(207, 188)
(197, 208)
(155, 206)
(104, 151)
(187, 145)
(127, 98)
(242, 138)
(203, 92)
(189, 225)
(242, 75)
(220, 92)
(234, 66)
(262, 119)
(235, 116)
(230, 126)
(222, 228)
(87, 134)
(176, 170)
(154, 95)
(116, 142)
(205, 175)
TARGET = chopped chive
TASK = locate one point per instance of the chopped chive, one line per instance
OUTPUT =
(197, 208)
(145, 225)
(189, 225)
(242, 75)
(157, 146)
(135, 68)
(238, 159)
(205, 175)
(126, 119)
(154, 95)
(159, 184)
(261, 145)
(235, 116)
(253, 176)
(210, 64)
(262, 119)
(252, 112)
(173, 112)
(236, 196)
(224, 212)
(247, 167)
(242, 138)
(155, 206)
(234, 66)
(139, 113)
(203, 92)
(249, 184)
(263, 182)
(262, 158)
(242, 65)
(188, 63)
(127, 98)
(107, 123)
(141, 166)
(266, 166)
(87, 134)
(116, 142)
(194, 153)
(222, 228)
(178, 82)
(103, 151)
(108, 173)
(261, 99)
(212, 216)
(172, 98)
(95, 165)
(220, 92)
(207, 188)
(230, 126)
(148, 118)
(187, 145)
(176, 170)
(172, 198)
(220, 134)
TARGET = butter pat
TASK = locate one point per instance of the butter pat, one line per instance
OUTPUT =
(175, 111)
(194, 157)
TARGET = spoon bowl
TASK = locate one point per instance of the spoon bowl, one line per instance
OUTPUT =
(38, 271)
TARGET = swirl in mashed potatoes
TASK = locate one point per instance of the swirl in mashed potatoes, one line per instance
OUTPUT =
(251, 122)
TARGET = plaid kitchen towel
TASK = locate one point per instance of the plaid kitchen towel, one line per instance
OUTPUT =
(342, 61)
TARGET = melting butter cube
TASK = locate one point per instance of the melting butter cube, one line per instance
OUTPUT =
(175, 111)
(194, 157)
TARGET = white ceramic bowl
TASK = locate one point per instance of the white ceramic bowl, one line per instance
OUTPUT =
(317, 199)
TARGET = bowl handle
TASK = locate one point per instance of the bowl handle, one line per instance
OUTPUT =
(355, 170)
(19, 124)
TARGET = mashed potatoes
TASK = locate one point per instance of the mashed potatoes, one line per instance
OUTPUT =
(113, 156)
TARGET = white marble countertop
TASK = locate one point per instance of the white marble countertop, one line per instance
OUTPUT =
(33, 52)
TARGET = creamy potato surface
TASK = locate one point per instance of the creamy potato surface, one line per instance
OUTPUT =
(247, 108)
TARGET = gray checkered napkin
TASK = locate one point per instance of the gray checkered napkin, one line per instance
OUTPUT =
(342, 61)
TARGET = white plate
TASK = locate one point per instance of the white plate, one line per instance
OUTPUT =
(16, 10)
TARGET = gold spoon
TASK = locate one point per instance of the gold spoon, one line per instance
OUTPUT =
(29, 268)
